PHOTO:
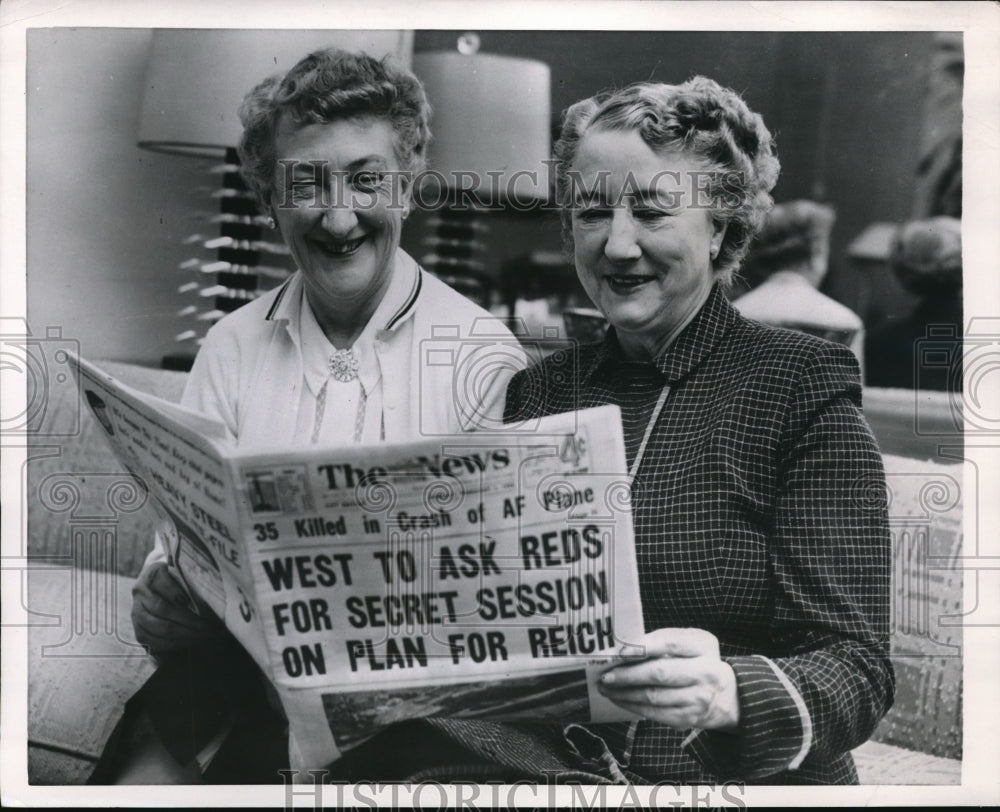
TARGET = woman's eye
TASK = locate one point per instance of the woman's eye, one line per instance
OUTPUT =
(592, 214)
(367, 181)
(649, 213)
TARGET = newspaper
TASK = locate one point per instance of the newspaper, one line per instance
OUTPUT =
(487, 576)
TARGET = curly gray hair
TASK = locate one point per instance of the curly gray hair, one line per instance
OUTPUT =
(700, 118)
(326, 86)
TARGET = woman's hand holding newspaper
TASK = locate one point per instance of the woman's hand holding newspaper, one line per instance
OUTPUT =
(162, 615)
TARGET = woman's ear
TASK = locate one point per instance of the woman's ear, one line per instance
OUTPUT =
(272, 217)
(718, 235)
(406, 197)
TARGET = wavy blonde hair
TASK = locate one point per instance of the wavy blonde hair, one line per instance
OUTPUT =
(699, 118)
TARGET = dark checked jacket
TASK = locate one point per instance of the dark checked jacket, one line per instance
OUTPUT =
(760, 515)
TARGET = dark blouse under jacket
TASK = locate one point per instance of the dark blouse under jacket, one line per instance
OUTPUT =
(760, 515)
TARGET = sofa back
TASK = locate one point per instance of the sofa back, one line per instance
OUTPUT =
(83, 507)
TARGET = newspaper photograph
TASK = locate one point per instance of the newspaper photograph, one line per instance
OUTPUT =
(468, 577)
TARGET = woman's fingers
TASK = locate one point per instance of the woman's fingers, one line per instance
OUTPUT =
(159, 638)
(660, 671)
(165, 586)
(682, 682)
(680, 643)
(160, 634)
(161, 613)
(666, 645)
(710, 701)
(158, 594)
(652, 695)
(153, 628)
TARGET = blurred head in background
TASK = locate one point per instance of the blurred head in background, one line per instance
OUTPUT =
(795, 237)
(926, 256)
(923, 349)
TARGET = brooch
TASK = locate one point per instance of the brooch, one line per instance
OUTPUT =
(344, 365)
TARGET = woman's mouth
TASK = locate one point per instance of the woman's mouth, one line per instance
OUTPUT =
(341, 249)
(627, 283)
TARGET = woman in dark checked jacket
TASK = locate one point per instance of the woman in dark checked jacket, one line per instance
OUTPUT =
(758, 490)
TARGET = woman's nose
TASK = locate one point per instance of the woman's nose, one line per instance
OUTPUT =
(339, 218)
(622, 244)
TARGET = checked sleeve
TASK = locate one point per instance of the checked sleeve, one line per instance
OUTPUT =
(828, 681)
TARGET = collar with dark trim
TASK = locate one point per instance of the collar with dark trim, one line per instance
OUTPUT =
(285, 304)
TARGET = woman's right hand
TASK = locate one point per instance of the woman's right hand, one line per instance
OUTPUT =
(162, 615)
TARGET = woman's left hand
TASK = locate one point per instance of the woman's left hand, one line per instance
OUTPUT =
(682, 682)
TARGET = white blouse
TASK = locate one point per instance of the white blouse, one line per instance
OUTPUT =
(333, 412)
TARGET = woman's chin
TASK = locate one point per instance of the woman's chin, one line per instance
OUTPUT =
(628, 317)
(347, 289)
(345, 273)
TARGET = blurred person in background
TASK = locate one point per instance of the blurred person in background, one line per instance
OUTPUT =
(784, 269)
(926, 259)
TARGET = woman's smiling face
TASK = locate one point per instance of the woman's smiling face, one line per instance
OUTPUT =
(339, 204)
(642, 243)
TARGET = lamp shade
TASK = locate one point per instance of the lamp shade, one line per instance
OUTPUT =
(196, 78)
(491, 114)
